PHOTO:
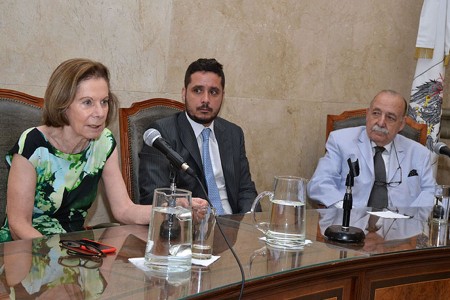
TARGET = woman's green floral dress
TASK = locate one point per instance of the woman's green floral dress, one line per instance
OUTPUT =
(66, 183)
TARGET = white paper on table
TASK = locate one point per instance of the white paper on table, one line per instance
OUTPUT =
(139, 262)
(204, 262)
(389, 214)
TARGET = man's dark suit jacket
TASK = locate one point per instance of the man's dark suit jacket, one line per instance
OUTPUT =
(154, 167)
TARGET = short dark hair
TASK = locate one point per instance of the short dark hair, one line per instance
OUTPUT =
(62, 88)
(204, 65)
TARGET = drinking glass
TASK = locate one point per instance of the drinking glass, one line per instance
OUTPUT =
(203, 233)
(442, 204)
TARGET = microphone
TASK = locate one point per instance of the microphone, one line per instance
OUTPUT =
(153, 138)
(441, 148)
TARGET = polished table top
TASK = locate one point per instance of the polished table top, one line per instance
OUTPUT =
(34, 268)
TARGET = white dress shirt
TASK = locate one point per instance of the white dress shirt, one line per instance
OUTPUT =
(215, 160)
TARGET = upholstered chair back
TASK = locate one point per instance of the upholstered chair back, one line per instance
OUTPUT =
(134, 121)
(18, 111)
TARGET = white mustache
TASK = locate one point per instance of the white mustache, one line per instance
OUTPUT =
(380, 129)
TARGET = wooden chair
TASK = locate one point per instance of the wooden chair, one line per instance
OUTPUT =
(353, 118)
(18, 112)
(133, 122)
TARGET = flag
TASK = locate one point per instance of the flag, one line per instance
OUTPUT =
(432, 49)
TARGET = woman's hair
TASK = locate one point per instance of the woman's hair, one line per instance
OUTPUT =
(62, 88)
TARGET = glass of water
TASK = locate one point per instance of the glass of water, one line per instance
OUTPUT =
(441, 206)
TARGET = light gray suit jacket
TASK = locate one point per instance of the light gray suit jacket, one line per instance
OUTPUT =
(327, 185)
(154, 167)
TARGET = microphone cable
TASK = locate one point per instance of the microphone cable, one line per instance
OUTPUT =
(241, 293)
(176, 162)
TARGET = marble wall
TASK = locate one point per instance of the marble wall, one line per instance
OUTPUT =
(288, 63)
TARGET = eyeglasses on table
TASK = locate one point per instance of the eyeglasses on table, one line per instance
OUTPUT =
(81, 247)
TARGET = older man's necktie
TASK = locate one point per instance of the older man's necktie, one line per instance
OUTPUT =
(379, 197)
(213, 191)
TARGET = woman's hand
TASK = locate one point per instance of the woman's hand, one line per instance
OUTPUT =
(199, 209)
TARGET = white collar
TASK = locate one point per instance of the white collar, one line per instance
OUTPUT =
(386, 147)
(198, 128)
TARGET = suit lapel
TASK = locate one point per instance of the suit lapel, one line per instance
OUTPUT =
(393, 164)
(189, 140)
(365, 148)
(226, 150)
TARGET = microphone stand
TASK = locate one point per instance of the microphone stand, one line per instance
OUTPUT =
(170, 228)
(346, 233)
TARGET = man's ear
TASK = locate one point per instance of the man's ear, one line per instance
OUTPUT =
(403, 123)
(183, 95)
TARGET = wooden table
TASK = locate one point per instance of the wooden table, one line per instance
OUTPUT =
(402, 260)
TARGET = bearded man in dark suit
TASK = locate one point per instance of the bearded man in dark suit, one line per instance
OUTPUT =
(203, 93)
